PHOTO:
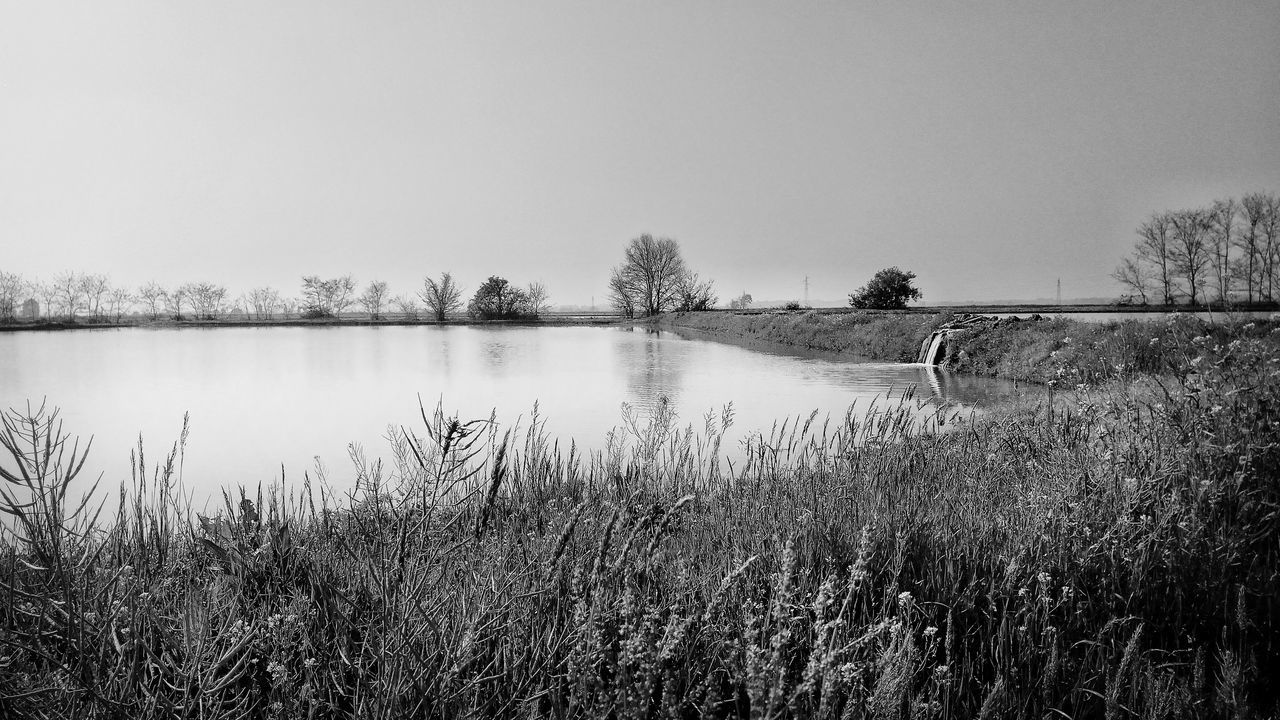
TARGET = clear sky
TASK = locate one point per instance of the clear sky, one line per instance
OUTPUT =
(991, 147)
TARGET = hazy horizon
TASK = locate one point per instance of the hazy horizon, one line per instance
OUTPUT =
(991, 148)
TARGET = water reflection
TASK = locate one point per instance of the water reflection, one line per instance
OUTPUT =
(260, 398)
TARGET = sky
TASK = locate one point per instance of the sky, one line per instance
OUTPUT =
(993, 148)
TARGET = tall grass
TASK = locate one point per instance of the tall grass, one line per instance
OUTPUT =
(1113, 554)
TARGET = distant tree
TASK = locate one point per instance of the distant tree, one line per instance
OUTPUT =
(1132, 274)
(1191, 249)
(497, 299)
(70, 293)
(538, 296)
(174, 300)
(264, 301)
(694, 294)
(1221, 232)
(742, 302)
(889, 289)
(406, 305)
(650, 276)
(48, 294)
(373, 298)
(120, 300)
(288, 306)
(1254, 209)
(1271, 246)
(441, 297)
(151, 296)
(94, 288)
(1155, 247)
(206, 299)
(327, 298)
(622, 295)
(11, 290)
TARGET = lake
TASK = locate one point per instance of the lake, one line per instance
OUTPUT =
(263, 399)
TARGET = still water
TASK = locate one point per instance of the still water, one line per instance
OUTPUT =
(266, 400)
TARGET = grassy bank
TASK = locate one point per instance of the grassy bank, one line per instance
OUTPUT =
(1056, 350)
(1111, 557)
(869, 334)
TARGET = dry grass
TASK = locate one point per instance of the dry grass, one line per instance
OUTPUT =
(1111, 555)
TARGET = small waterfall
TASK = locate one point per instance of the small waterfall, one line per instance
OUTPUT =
(937, 345)
(924, 349)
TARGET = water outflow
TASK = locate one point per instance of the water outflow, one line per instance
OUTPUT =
(932, 349)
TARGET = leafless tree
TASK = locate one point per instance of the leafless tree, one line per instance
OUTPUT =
(742, 302)
(1132, 274)
(288, 306)
(693, 293)
(48, 294)
(1220, 230)
(120, 300)
(94, 288)
(441, 297)
(1191, 248)
(1271, 245)
(374, 297)
(407, 306)
(327, 298)
(70, 293)
(11, 287)
(264, 301)
(1254, 209)
(174, 300)
(653, 270)
(622, 295)
(537, 297)
(206, 299)
(1155, 247)
(151, 296)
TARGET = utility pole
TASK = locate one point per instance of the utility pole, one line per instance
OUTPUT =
(806, 291)
(1059, 292)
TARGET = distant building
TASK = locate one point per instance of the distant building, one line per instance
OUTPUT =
(30, 310)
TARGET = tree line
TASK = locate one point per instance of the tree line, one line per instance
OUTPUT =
(71, 296)
(1229, 251)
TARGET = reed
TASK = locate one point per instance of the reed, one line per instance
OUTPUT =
(1113, 554)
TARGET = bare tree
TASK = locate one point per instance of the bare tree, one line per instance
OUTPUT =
(407, 306)
(1132, 274)
(327, 298)
(70, 293)
(374, 297)
(174, 300)
(11, 287)
(742, 302)
(48, 294)
(151, 296)
(288, 306)
(120, 299)
(1220, 230)
(264, 301)
(1191, 248)
(653, 270)
(95, 289)
(441, 297)
(622, 295)
(1155, 246)
(693, 293)
(537, 297)
(1254, 208)
(1271, 245)
(206, 299)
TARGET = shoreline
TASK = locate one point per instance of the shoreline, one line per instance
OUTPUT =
(62, 325)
